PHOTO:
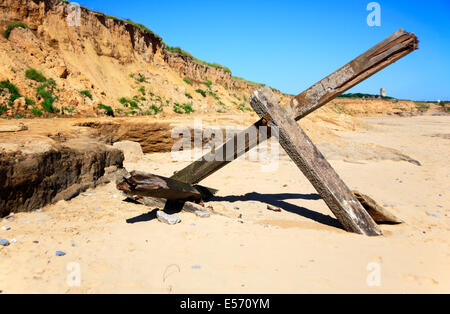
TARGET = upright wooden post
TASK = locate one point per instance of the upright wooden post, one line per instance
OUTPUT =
(313, 164)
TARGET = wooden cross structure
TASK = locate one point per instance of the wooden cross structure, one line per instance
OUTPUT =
(344, 204)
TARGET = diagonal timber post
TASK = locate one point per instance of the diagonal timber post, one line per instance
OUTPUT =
(375, 59)
(312, 163)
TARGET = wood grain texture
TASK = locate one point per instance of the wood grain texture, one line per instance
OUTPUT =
(375, 59)
(150, 185)
(377, 212)
(213, 162)
(314, 166)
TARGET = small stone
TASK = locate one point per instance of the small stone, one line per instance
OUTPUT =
(202, 214)
(435, 216)
(4, 242)
(196, 267)
(236, 208)
(273, 208)
(14, 241)
(74, 245)
(6, 228)
(60, 253)
(167, 219)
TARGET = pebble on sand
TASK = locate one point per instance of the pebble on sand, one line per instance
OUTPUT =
(202, 214)
(196, 267)
(434, 215)
(4, 242)
(274, 208)
(6, 228)
(167, 219)
(60, 253)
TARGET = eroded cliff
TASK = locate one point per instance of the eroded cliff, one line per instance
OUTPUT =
(104, 62)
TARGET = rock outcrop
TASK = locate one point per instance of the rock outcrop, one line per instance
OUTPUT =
(42, 171)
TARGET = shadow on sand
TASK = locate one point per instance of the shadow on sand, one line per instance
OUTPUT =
(278, 200)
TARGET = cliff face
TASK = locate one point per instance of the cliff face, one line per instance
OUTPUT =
(110, 58)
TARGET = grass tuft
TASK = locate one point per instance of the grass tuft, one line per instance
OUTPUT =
(35, 75)
(86, 93)
(13, 91)
(108, 109)
(12, 26)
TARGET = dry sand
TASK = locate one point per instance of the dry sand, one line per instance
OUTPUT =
(121, 248)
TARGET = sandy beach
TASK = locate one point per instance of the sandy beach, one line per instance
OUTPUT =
(113, 246)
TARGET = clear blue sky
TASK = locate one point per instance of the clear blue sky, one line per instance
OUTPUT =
(291, 44)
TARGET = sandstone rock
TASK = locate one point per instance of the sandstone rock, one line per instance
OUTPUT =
(25, 39)
(19, 107)
(74, 103)
(31, 179)
(62, 72)
(131, 150)
(167, 219)
(13, 128)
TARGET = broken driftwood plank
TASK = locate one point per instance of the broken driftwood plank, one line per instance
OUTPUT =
(150, 185)
(377, 212)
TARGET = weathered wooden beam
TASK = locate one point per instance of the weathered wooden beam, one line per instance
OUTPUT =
(377, 58)
(378, 213)
(150, 185)
(314, 166)
(222, 156)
